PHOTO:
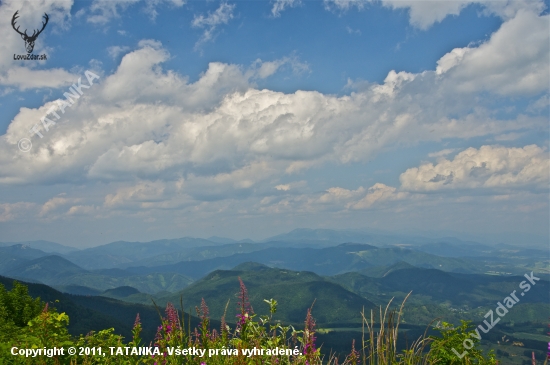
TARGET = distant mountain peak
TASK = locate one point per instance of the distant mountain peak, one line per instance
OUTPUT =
(217, 239)
(45, 246)
(361, 246)
(251, 266)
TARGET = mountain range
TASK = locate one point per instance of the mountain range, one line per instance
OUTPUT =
(337, 273)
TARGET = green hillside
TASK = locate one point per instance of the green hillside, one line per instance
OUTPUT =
(16, 255)
(59, 272)
(96, 313)
(295, 292)
(438, 294)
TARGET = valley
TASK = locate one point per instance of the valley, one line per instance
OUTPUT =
(106, 286)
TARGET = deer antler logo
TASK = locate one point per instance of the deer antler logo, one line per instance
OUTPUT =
(29, 39)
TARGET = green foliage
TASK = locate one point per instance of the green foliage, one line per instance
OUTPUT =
(441, 348)
(17, 308)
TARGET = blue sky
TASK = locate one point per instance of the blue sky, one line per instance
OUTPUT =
(251, 118)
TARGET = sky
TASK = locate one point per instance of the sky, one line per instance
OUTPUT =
(245, 119)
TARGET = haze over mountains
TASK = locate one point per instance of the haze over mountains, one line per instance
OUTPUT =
(172, 264)
(342, 272)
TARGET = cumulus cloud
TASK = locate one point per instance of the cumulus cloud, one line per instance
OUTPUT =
(154, 140)
(148, 123)
(521, 172)
(519, 51)
(487, 167)
(54, 203)
(212, 21)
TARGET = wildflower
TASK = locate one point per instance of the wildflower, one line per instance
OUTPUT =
(353, 357)
(242, 319)
(136, 330)
(158, 336)
(223, 326)
(309, 334)
(244, 304)
(172, 316)
(204, 310)
(137, 322)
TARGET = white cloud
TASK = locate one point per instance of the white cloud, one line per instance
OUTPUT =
(344, 5)
(115, 51)
(423, 14)
(151, 6)
(379, 193)
(450, 60)
(25, 78)
(82, 210)
(157, 141)
(12, 211)
(103, 11)
(353, 31)
(514, 60)
(280, 5)
(442, 153)
(283, 187)
(148, 123)
(222, 15)
(360, 198)
(264, 69)
(54, 203)
(338, 195)
(487, 167)
(142, 192)
(508, 9)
